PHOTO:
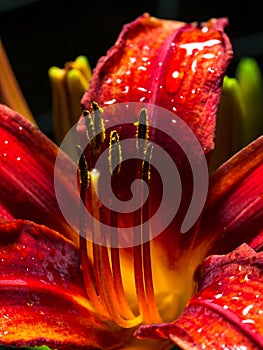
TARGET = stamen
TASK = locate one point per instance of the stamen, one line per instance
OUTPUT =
(101, 265)
(142, 259)
(85, 261)
(115, 157)
(90, 131)
(98, 124)
(147, 266)
(103, 273)
(143, 305)
(142, 133)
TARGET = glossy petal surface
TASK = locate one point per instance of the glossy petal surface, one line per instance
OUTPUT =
(167, 63)
(27, 160)
(42, 298)
(226, 311)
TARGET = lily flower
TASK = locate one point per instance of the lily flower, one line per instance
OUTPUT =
(62, 290)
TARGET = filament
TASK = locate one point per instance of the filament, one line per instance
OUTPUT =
(101, 264)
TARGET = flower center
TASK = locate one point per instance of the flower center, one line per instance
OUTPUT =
(101, 263)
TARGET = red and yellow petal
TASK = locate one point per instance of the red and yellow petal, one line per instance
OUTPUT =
(171, 64)
(27, 161)
(42, 297)
(226, 311)
(235, 202)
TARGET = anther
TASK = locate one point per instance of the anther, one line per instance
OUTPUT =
(90, 131)
(82, 169)
(115, 154)
(142, 133)
(98, 124)
(146, 162)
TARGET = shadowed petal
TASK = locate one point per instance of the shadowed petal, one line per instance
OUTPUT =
(235, 201)
(42, 297)
(27, 159)
(227, 310)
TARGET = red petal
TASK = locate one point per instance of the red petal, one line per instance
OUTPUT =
(27, 162)
(42, 298)
(227, 311)
(235, 202)
(166, 63)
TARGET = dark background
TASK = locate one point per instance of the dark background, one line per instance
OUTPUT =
(43, 33)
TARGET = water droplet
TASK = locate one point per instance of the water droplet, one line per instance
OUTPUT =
(198, 46)
(247, 278)
(142, 89)
(126, 89)
(110, 102)
(132, 59)
(149, 94)
(211, 70)
(247, 309)
(4, 157)
(208, 56)
(175, 74)
(173, 80)
(248, 321)
(109, 80)
(218, 296)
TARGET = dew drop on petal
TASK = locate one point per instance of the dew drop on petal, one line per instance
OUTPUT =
(218, 296)
(247, 309)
